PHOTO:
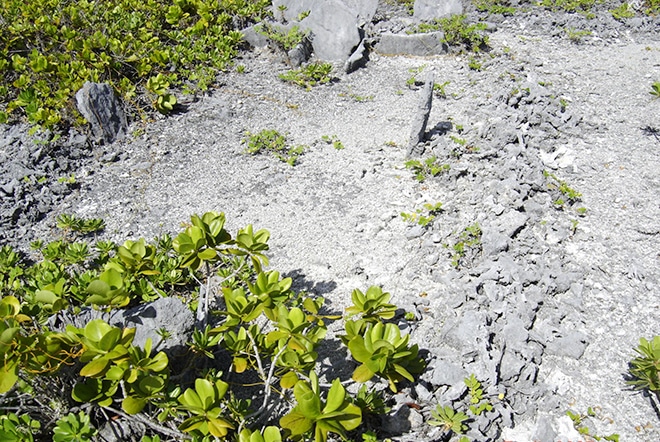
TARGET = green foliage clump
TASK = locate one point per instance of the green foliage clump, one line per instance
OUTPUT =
(50, 48)
(645, 368)
(458, 33)
(469, 240)
(581, 6)
(268, 333)
(429, 167)
(655, 89)
(269, 140)
(423, 216)
(567, 194)
(286, 40)
(309, 76)
(494, 6)
(579, 424)
(623, 11)
(449, 419)
(652, 7)
(334, 140)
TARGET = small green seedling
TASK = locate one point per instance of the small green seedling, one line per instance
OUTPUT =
(655, 89)
(430, 167)
(332, 139)
(579, 424)
(476, 393)
(423, 216)
(269, 140)
(468, 240)
(449, 419)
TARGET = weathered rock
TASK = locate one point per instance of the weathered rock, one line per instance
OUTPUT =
(98, 104)
(425, 10)
(165, 313)
(572, 344)
(422, 45)
(421, 117)
(300, 53)
(357, 59)
(335, 31)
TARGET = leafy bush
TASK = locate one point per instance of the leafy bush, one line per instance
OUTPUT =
(581, 6)
(50, 48)
(309, 76)
(268, 333)
(429, 167)
(269, 140)
(463, 35)
(645, 368)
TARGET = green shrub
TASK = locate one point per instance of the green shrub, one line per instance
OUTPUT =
(309, 76)
(50, 48)
(268, 333)
(459, 33)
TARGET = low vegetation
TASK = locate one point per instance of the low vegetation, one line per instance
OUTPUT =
(143, 49)
(268, 333)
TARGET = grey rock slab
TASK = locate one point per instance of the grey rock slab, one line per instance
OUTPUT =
(422, 45)
(445, 372)
(168, 313)
(421, 117)
(571, 344)
(425, 10)
(103, 110)
(335, 30)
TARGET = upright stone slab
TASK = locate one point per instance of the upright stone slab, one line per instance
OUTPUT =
(421, 117)
(425, 10)
(98, 104)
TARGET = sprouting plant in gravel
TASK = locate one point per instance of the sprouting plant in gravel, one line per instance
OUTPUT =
(358, 98)
(424, 215)
(474, 64)
(645, 368)
(270, 140)
(580, 425)
(309, 76)
(450, 420)
(623, 12)
(459, 33)
(576, 35)
(568, 195)
(494, 6)
(655, 89)
(333, 140)
(478, 404)
(469, 240)
(439, 89)
(429, 167)
(412, 80)
(285, 39)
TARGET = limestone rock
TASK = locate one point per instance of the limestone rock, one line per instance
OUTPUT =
(430, 9)
(98, 104)
(422, 45)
